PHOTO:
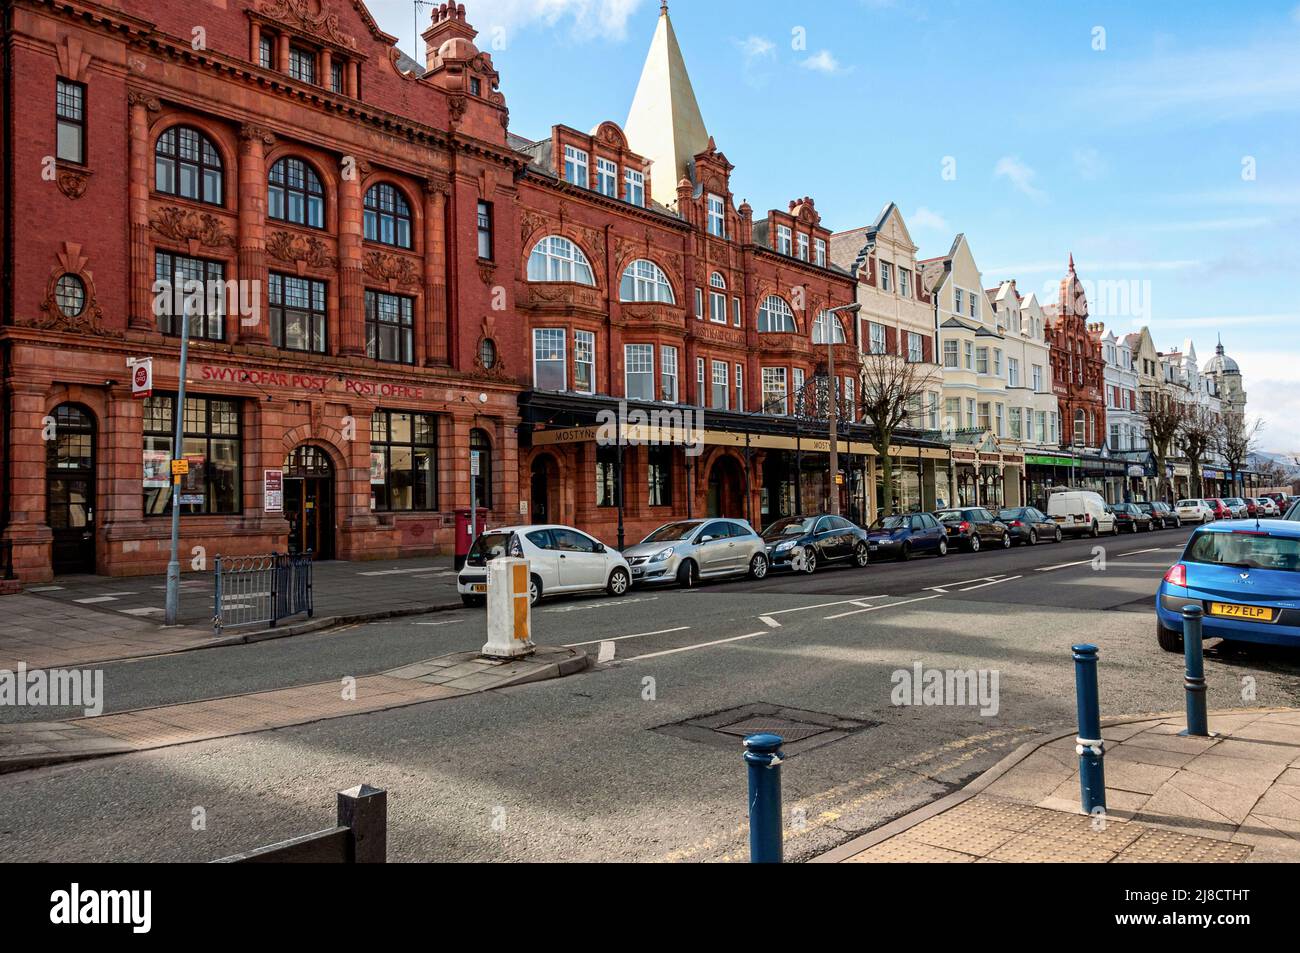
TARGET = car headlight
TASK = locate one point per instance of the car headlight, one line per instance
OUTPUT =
(786, 544)
(661, 555)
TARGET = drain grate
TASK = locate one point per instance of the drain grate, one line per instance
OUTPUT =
(800, 730)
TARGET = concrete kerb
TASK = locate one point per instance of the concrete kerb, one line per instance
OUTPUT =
(897, 826)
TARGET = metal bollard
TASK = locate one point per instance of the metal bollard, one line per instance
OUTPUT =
(763, 755)
(1194, 676)
(1089, 745)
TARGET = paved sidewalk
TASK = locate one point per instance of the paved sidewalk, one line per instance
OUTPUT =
(1230, 798)
(82, 619)
(36, 744)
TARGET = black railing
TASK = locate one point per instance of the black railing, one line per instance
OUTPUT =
(250, 590)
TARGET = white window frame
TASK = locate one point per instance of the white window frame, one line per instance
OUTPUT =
(784, 239)
(735, 311)
(772, 378)
(699, 381)
(719, 376)
(819, 328)
(1013, 372)
(717, 216)
(886, 276)
(606, 177)
(575, 159)
(668, 380)
(820, 250)
(915, 347)
(649, 283)
(775, 309)
(584, 341)
(905, 282)
(952, 349)
(551, 335)
(803, 246)
(740, 388)
(559, 259)
(634, 187)
(877, 339)
(645, 367)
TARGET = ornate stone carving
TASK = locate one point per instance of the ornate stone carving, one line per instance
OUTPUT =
(487, 271)
(73, 184)
(498, 369)
(299, 249)
(393, 270)
(189, 225)
(89, 320)
(456, 106)
(149, 101)
(310, 16)
(530, 222)
(252, 132)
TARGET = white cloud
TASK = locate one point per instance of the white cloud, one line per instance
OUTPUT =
(924, 218)
(823, 61)
(500, 19)
(1208, 225)
(1235, 320)
(756, 46)
(1269, 379)
(1020, 175)
(1089, 164)
(1097, 268)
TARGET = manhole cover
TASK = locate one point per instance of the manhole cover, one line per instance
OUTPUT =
(798, 728)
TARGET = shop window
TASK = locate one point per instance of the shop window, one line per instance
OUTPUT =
(210, 444)
(607, 482)
(480, 444)
(659, 467)
(403, 461)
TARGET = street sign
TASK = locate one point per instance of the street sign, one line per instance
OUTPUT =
(839, 479)
(272, 491)
(473, 463)
(180, 467)
(141, 377)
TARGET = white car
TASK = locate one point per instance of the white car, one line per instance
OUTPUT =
(561, 560)
(1195, 511)
(1267, 507)
(1081, 512)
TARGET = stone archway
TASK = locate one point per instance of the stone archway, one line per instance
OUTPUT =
(725, 488)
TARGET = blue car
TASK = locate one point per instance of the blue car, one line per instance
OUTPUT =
(902, 537)
(1245, 575)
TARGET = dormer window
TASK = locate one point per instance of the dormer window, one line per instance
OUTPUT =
(634, 187)
(717, 218)
(784, 240)
(820, 247)
(475, 86)
(803, 247)
(886, 276)
(607, 178)
(575, 167)
(302, 64)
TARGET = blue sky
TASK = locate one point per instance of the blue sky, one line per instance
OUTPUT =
(1157, 141)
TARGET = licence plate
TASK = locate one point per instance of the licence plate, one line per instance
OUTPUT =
(874, 547)
(1230, 610)
(478, 587)
(1059, 519)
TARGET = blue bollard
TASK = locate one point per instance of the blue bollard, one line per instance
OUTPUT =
(1088, 745)
(1194, 677)
(764, 757)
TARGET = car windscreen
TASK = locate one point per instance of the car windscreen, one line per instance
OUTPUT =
(790, 526)
(950, 516)
(1189, 502)
(892, 522)
(1245, 550)
(490, 546)
(672, 532)
(1005, 515)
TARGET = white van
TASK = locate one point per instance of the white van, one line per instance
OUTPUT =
(1081, 512)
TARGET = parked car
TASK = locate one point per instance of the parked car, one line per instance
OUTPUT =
(561, 559)
(1162, 514)
(1245, 577)
(906, 535)
(1030, 525)
(1293, 511)
(686, 551)
(1080, 512)
(1238, 507)
(1267, 507)
(1222, 511)
(973, 527)
(1128, 516)
(1194, 511)
(810, 542)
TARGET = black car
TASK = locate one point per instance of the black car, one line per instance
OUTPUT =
(809, 542)
(973, 528)
(1128, 516)
(1030, 525)
(1162, 514)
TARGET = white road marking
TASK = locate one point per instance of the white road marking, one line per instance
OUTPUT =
(403, 572)
(619, 638)
(606, 604)
(991, 582)
(145, 610)
(827, 605)
(445, 622)
(768, 621)
(1139, 552)
(698, 645)
(44, 588)
(1081, 562)
(94, 599)
(953, 585)
(875, 608)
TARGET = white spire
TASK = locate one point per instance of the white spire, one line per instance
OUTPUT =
(665, 124)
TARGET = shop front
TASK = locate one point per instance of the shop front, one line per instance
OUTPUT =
(1043, 471)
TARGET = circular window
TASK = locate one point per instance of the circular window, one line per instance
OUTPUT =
(70, 295)
(487, 353)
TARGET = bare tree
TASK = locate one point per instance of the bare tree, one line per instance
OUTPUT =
(1236, 439)
(891, 390)
(1197, 434)
(1162, 417)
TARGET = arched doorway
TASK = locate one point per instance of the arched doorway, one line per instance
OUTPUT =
(726, 489)
(309, 501)
(70, 489)
(545, 493)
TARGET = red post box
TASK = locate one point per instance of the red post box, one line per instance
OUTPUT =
(463, 538)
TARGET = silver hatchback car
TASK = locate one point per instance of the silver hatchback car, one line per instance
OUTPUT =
(687, 551)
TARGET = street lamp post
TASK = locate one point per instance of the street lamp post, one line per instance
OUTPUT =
(833, 410)
(171, 613)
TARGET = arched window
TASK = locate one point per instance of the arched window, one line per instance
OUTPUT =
(717, 281)
(480, 444)
(645, 281)
(295, 194)
(775, 315)
(187, 164)
(387, 216)
(555, 258)
(819, 328)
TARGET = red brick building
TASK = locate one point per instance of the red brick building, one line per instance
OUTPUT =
(401, 281)
(1077, 368)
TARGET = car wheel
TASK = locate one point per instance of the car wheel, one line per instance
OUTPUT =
(905, 552)
(1033, 537)
(1059, 535)
(1006, 540)
(861, 554)
(534, 590)
(974, 544)
(1169, 640)
(619, 582)
(688, 576)
(758, 566)
(473, 601)
(1095, 531)
(943, 547)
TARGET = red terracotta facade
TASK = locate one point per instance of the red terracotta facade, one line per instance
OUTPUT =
(1077, 367)
(361, 119)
